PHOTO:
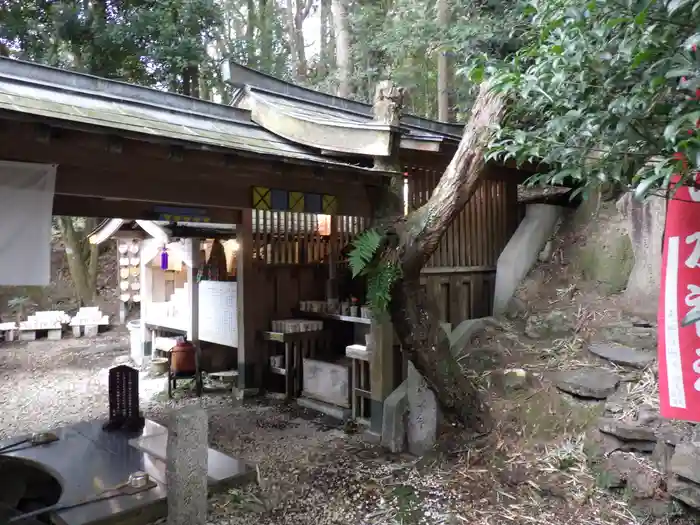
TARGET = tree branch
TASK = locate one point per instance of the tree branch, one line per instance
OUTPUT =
(458, 183)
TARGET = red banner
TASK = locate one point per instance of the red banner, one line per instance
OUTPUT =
(679, 347)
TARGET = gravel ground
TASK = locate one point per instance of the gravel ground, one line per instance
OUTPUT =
(310, 471)
(313, 473)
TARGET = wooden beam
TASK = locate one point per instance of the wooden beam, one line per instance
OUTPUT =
(245, 163)
(106, 209)
(148, 173)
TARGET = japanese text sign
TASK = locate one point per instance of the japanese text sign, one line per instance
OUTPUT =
(679, 347)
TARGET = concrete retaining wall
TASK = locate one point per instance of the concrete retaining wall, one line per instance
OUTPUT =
(521, 252)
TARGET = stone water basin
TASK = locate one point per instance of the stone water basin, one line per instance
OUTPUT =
(84, 462)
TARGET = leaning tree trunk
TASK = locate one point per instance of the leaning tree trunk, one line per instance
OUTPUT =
(415, 319)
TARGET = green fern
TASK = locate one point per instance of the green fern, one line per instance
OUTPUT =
(380, 280)
(365, 246)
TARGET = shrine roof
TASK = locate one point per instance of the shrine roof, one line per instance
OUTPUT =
(337, 109)
(84, 100)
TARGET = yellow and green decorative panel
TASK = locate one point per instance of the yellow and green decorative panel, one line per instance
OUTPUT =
(270, 199)
(296, 201)
(262, 198)
(330, 205)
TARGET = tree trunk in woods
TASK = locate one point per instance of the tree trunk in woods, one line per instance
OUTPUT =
(267, 37)
(296, 13)
(341, 27)
(443, 64)
(324, 56)
(415, 319)
(190, 81)
(82, 257)
(250, 34)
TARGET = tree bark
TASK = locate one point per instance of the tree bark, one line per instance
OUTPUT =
(324, 56)
(443, 65)
(415, 320)
(82, 258)
(250, 34)
(339, 9)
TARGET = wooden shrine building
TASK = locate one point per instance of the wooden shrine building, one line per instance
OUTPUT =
(272, 163)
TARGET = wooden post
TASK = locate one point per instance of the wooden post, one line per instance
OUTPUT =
(147, 251)
(388, 103)
(249, 366)
(332, 284)
(192, 254)
(382, 367)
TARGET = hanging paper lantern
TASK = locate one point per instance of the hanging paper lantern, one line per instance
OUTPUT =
(164, 259)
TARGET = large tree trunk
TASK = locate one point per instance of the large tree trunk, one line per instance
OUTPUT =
(250, 34)
(415, 320)
(324, 57)
(266, 13)
(443, 64)
(82, 258)
(296, 13)
(342, 45)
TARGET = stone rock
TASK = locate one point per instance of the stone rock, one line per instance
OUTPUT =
(592, 383)
(618, 466)
(627, 431)
(623, 355)
(616, 403)
(464, 332)
(661, 456)
(552, 323)
(515, 379)
(684, 491)
(668, 437)
(645, 223)
(672, 435)
(599, 444)
(623, 469)
(644, 483)
(648, 415)
(695, 434)
(422, 413)
(394, 420)
(660, 506)
(605, 255)
(685, 463)
(629, 334)
(186, 466)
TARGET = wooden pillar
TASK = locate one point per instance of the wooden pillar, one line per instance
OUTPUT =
(192, 255)
(382, 368)
(192, 247)
(250, 367)
(388, 103)
(148, 250)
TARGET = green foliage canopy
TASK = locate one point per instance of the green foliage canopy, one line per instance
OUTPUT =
(605, 91)
(148, 42)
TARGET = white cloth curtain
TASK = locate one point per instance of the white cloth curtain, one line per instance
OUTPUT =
(26, 205)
